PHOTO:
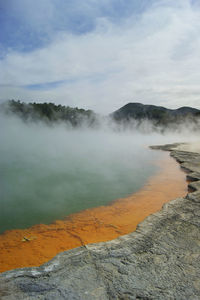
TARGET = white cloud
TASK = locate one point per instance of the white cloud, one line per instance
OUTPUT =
(152, 60)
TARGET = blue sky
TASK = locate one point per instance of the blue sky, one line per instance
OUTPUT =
(100, 54)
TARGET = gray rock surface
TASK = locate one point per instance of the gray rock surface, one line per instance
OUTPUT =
(160, 260)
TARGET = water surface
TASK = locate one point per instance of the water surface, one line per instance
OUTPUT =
(47, 173)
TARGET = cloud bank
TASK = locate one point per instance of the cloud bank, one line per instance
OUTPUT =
(101, 55)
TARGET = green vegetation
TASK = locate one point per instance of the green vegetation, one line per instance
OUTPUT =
(132, 116)
(50, 113)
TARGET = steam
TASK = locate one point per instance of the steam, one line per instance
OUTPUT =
(48, 172)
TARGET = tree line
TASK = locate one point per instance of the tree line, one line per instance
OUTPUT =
(50, 113)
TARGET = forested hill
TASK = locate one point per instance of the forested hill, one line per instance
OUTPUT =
(131, 115)
(50, 113)
(159, 115)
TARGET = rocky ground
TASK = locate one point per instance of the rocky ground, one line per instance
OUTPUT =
(160, 260)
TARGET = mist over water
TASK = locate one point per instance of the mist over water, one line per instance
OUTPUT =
(47, 173)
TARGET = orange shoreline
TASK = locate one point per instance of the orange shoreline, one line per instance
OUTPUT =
(38, 244)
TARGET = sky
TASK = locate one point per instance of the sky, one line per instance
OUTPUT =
(100, 55)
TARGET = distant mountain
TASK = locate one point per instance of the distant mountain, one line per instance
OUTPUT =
(158, 114)
(130, 115)
(185, 110)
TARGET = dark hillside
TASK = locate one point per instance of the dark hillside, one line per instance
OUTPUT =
(159, 115)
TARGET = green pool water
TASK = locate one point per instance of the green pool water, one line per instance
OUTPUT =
(49, 173)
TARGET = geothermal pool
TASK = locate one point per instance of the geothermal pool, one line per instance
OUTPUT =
(62, 183)
(49, 173)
